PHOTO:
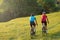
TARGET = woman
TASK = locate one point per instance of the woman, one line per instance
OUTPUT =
(44, 21)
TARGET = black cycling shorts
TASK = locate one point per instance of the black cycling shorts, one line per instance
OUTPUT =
(32, 24)
(45, 23)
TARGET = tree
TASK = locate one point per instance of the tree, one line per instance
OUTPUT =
(17, 8)
(48, 5)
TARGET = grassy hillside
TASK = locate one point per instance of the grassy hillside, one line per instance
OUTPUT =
(19, 29)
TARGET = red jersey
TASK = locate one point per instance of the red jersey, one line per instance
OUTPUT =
(44, 17)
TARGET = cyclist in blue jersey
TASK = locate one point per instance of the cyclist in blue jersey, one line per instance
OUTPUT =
(33, 23)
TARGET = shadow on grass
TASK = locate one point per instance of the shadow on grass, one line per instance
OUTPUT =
(55, 36)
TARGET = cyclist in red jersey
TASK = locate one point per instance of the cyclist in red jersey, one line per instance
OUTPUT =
(44, 21)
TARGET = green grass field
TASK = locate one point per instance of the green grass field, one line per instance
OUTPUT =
(19, 29)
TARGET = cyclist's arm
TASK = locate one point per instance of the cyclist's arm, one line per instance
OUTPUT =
(36, 21)
(47, 20)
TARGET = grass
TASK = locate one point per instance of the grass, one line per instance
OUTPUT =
(19, 29)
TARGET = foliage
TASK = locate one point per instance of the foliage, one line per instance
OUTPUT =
(48, 5)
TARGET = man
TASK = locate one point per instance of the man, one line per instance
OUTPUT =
(33, 23)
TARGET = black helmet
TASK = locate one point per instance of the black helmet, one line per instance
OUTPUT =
(32, 14)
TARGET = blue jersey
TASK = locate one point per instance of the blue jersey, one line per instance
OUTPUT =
(32, 19)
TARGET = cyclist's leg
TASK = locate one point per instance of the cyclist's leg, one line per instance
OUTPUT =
(43, 26)
(34, 30)
(46, 27)
(31, 28)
